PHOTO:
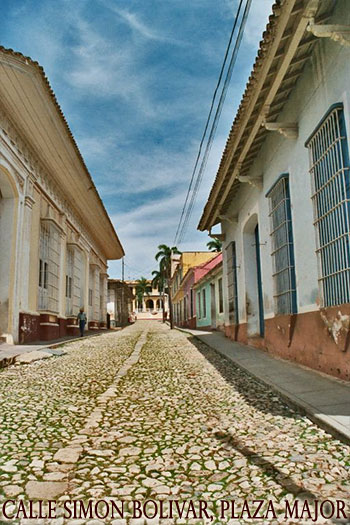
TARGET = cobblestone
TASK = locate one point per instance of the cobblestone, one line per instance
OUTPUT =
(180, 423)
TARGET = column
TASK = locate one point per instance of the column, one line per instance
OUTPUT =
(25, 251)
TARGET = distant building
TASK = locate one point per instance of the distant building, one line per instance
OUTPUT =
(152, 304)
(208, 291)
(181, 284)
(120, 303)
(55, 234)
(282, 192)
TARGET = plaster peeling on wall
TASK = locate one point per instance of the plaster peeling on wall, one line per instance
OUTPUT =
(340, 323)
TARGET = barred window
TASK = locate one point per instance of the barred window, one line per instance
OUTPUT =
(43, 266)
(49, 257)
(69, 280)
(282, 247)
(78, 280)
(232, 282)
(329, 168)
(90, 297)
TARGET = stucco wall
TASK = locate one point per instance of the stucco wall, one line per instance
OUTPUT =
(325, 81)
(308, 339)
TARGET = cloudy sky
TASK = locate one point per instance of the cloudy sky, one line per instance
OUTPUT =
(135, 80)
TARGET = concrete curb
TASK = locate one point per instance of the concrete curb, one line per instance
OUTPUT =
(322, 420)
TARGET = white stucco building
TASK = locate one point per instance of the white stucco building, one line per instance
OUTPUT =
(282, 192)
(55, 234)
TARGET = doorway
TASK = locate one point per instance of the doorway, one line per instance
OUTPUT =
(253, 278)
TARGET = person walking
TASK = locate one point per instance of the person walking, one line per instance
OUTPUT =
(82, 321)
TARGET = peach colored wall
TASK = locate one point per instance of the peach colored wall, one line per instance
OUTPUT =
(305, 339)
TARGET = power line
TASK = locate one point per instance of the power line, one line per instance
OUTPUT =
(186, 216)
(209, 116)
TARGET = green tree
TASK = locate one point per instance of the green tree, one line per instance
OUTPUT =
(142, 288)
(163, 256)
(158, 282)
(214, 245)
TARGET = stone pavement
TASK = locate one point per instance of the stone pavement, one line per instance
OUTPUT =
(324, 398)
(10, 354)
(151, 416)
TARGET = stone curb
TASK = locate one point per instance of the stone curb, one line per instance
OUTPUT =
(321, 420)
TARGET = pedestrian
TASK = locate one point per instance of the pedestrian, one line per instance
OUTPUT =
(82, 321)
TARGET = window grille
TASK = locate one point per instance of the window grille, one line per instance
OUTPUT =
(69, 280)
(78, 279)
(191, 303)
(232, 291)
(96, 300)
(44, 267)
(329, 168)
(221, 297)
(91, 292)
(282, 247)
(204, 304)
(102, 299)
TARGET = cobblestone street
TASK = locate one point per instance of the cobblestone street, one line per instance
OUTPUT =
(151, 414)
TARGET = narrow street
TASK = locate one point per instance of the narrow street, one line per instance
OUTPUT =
(151, 414)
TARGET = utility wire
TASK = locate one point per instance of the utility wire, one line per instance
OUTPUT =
(209, 116)
(182, 228)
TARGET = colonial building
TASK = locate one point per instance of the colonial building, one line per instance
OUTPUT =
(152, 303)
(208, 291)
(184, 274)
(120, 303)
(282, 193)
(55, 234)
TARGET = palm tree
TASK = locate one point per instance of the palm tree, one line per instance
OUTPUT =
(163, 256)
(158, 282)
(142, 289)
(214, 245)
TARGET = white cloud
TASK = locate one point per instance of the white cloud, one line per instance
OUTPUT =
(135, 24)
(257, 21)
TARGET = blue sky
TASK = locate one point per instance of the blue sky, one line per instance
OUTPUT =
(135, 80)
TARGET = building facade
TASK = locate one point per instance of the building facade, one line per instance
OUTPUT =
(187, 268)
(120, 303)
(152, 304)
(209, 298)
(55, 234)
(281, 194)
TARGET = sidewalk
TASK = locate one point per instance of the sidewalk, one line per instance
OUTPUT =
(326, 400)
(10, 354)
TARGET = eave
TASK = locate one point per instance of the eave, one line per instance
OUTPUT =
(283, 53)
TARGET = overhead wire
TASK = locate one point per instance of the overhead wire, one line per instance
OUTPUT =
(209, 115)
(185, 216)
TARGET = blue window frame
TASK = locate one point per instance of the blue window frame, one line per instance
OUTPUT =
(281, 231)
(329, 169)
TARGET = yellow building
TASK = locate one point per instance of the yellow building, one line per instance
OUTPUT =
(55, 234)
(181, 264)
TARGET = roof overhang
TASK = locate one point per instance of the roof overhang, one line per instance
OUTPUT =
(283, 53)
(31, 106)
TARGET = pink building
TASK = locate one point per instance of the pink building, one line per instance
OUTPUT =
(193, 275)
